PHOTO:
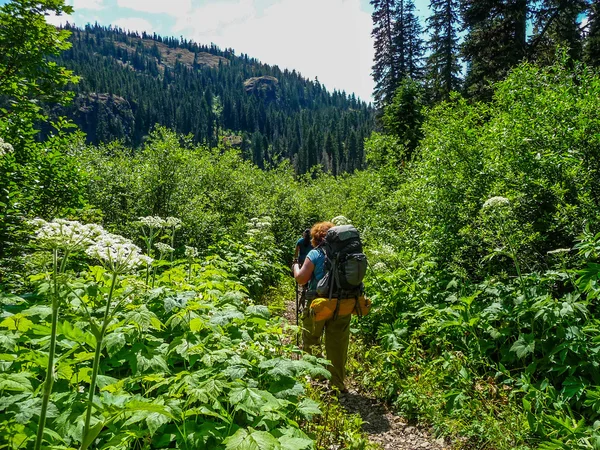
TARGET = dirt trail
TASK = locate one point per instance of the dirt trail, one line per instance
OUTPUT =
(381, 426)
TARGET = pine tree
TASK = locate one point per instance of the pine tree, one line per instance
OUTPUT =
(557, 26)
(404, 116)
(496, 41)
(385, 71)
(592, 41)
(352, 152)
(443, 65)
(408, 43)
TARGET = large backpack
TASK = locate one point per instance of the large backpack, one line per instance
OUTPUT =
(345, 264)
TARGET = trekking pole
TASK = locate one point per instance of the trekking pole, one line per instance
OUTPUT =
(297, 304)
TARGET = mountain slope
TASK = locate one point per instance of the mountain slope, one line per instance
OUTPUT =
(129, 83)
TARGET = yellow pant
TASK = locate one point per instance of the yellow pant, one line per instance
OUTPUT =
(337, 338)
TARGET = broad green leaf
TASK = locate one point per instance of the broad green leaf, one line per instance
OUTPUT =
(524, 346)
(155, 421)
(196, 324)
(18, 382)
(251, 440)
(17, 322)
(294, 443)
(247, 399)
(308, 408)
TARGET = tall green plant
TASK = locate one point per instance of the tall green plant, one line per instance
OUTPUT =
(62, 238)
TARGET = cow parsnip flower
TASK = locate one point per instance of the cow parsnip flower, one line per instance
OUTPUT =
(496, 202)
(152, 222)
(173, 222)
(164, 248)
(64, 234)
(191, 252)
(341, 220)
(5, 148)
(117, 254)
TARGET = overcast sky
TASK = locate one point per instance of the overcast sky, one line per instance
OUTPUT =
(328, 39)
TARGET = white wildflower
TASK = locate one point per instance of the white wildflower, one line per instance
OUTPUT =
(118, 254)
(65, 234)
(152, 222)
(341, 220)
(379, 267)
(173, 222)
(164, 248)
(496, 202)
(191, 252)
(5, 148)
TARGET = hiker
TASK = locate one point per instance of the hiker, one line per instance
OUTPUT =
(303, 246)
(337, 330)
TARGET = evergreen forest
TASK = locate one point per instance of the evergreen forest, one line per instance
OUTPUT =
(152, 191)
(130, 82)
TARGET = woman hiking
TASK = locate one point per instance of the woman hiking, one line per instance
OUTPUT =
(303, 246)
(337, 330)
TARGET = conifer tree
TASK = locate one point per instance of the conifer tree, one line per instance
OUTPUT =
(385, 70)
(496, 41)
(592, 41)
(408, 43)
(557, 26)
(443, 66)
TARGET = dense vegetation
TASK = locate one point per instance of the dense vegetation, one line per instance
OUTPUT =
(129, 83)
(479, 219)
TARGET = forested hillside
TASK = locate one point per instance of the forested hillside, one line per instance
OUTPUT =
(129, 83)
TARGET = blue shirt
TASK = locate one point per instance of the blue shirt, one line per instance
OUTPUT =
(317, 257)
(304, 249)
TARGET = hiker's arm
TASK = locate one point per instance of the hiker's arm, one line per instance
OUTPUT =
(297, 252)
(302, 275)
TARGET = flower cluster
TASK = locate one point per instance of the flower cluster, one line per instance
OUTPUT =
(5, 148)
(264, 223)
(115, 252)
(65, 234)
(191, 252)
(341, 220)
(118, 254)
(164, 248)
(380, 267)
(496, 202)
(153, 222)
(172, 222)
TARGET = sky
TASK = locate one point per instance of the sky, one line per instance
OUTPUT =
(328, 39)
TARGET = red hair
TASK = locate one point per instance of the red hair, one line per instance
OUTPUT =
(319, 231)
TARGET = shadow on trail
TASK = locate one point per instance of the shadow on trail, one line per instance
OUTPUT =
(373, 414)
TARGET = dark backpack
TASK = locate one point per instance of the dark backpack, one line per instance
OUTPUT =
(345, 264)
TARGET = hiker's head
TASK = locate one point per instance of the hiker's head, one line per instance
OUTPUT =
(306, 234)
(319, 231)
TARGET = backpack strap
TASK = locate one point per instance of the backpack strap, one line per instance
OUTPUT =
(334, 281)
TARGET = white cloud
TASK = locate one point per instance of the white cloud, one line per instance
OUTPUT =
(212, 17)
(87, 4)
(58, 21)
(177, 8)
(325, 38)
(134, 24)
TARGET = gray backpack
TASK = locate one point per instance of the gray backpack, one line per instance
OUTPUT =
(345, 264)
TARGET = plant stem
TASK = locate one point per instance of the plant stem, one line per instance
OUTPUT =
(50, 368)
(96, 365)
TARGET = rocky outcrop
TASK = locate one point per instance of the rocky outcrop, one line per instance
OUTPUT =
(265, 87)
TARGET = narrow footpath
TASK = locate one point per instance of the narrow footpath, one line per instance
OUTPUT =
(380, 425)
